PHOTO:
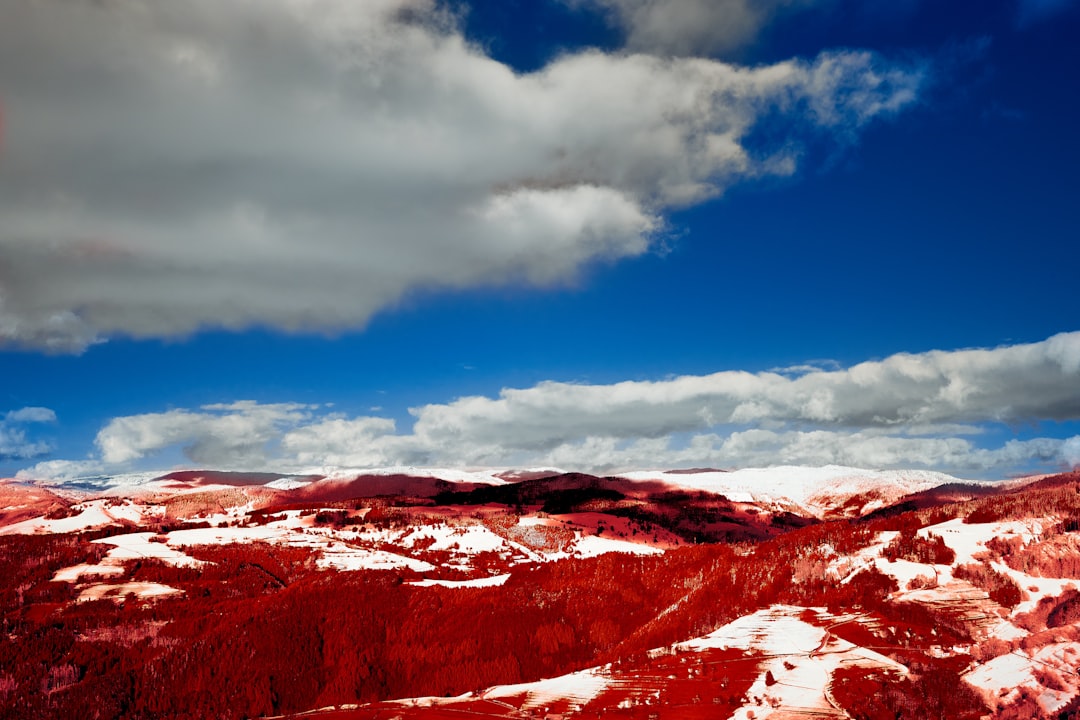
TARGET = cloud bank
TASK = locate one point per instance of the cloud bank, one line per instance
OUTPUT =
(303, 164)
(908, 410)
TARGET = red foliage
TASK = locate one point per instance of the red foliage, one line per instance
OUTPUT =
(930, 550)
(1055, 556)
(937, 692)
(1050, 497)
(261, 630)
(1002, 589)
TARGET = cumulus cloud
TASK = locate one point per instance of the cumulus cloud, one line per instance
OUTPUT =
(929, 409)
(365, 442)
(685, 27)
(31, 415)
(761, 448)
(302, 164)
(229, 435)
(15, 442)
(1038, 381)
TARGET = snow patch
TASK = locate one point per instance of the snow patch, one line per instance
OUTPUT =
(287, 483)
(96, 513)
(74, 573)
(137, 546)
(344, 557)
(121, 591)
(801, 658)
(576, 688)
(468, 539)
(801, 485)
(493, 581)
(594, 546)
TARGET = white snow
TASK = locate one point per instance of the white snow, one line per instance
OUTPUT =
(121, 591)
(576, 688)
(801, 657)
(226, 535)
(593, 546)
(1005, 630)
(73, 573)
(1010, 671)
(126, 547)
(287, 483)
(493, 581)
(335, 554)
(799, 484)
(345, 557)
(968, 540)
(95, 513)
(904, 571)
(777, 630)
(535, 521)
(468, 539)
(465, 539)
(138, 545)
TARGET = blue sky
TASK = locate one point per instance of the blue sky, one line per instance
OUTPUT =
(564, 233)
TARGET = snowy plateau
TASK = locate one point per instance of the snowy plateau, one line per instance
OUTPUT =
(786, 592)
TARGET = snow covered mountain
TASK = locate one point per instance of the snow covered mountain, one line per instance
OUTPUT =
(817, 491)
(400, 593)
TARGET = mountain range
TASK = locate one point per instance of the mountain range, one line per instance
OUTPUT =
(402, 592)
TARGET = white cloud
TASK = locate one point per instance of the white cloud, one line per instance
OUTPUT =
(60, 471)
(31, 415)
(685, 27)
(1038, 381)
(302, 164)
(760, 448)
(340, 441)
(15, 444)
(1070, 451)
(931, 409)
(234, 435)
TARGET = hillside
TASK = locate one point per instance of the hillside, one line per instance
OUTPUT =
(397, 594)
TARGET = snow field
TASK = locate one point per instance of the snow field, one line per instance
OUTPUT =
(493, 581)
(345, 550)
(1001, 678)
(577, 689)
(814, 488)
(95, 513)
(121, 591)
(801, 657)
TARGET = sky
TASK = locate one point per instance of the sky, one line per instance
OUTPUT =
(597, 235)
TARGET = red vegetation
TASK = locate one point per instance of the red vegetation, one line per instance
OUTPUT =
(930, 550)
(693, 516)
(1002, 589)
(370, 486)
(1052, 612)
(1056, 555)
(194, 478)
(19, 502)
(932, 691)
(262, 630)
